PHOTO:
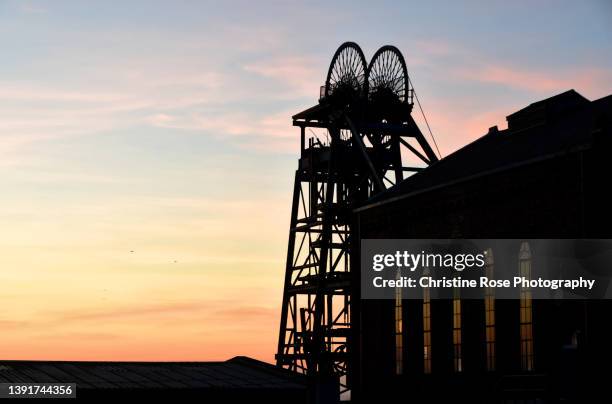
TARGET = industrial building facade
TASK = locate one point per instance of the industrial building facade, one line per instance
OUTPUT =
(546, 176)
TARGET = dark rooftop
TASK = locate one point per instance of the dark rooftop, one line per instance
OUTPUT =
(235, 374)
(561, 124)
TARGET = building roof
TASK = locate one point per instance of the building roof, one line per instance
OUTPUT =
(234, 374)
(557, 125)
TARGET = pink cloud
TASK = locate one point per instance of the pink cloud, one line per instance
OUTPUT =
(591, 81)
(301, 76)
(435, 47)
(272, 132)
(455, 125)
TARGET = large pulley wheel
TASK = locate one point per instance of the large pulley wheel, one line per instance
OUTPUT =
(387, 78)
(346, 76)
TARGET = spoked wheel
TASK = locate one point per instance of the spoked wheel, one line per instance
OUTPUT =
(387, 78)
(347, 72)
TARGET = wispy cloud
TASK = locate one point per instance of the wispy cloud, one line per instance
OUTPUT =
(588, 80)
(129, 312)
(454, 125)
(30, 7)
(211, 103)
(14, 324)
(292, 76)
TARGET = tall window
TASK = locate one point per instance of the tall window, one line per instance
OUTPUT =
(457, 332)
(490, 311)
(399, 343)
(526, 318)
(426, 328)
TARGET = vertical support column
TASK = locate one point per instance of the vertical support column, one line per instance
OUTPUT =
(287, 296)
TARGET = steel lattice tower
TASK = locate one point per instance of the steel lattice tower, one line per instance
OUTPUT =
(365, 114)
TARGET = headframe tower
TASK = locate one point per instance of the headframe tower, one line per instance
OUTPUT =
(366, 138)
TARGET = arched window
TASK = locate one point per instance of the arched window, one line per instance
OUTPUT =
(399, 328)
(458, 364)
(426, 327)
(526, 315)
(490, 311)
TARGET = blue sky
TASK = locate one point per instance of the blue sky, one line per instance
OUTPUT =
(163, 127)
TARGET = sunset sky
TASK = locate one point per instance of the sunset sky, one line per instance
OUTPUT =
(147, 153)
